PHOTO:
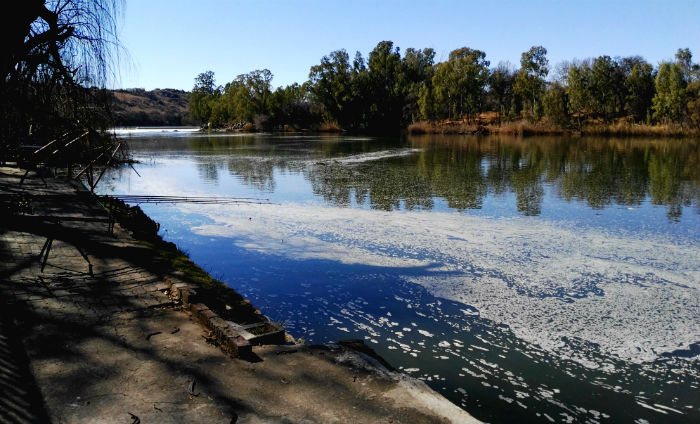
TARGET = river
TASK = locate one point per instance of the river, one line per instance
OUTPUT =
(540, 279)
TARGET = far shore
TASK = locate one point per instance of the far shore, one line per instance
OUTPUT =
(485, 124)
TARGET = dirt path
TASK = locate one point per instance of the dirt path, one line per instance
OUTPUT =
(97, 334)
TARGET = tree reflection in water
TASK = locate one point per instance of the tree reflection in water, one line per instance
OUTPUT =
(464, 170)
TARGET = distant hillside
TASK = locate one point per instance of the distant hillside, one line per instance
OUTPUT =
(159, 107)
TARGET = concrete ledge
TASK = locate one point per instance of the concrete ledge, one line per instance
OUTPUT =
(236, 339)
(181, 291)
(260, 333)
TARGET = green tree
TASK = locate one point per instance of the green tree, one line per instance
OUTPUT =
(291, 106)
(691, 72)
(415, 77)
(669, 101)
(555, 103)
(386, 95)
(203, 95)
(459, 84)
(331, 86)
(529, 81)
(604, 83)
(578, 89)
(640, 90)
(426, 103)
(501, 81)
(252, 96)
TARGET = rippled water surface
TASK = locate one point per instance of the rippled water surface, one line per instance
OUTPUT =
(528, 280)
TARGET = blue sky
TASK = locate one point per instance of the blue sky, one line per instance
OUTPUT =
(169, 42)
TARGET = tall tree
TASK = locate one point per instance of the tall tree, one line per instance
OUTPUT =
(501, 83)
(578, 81)
(460, 82)
(555, 105)
(669, 101)
(331, 86)
(605, 78)
(202, 96)
(640, 90)
(684, 58)
(416, 73)
(386, 100)
(529, 81)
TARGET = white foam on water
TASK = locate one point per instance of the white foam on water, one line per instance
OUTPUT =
(633, 294)
(367, 157)
(668, 408)
(150, 131)
(644, 405)
(425, 333)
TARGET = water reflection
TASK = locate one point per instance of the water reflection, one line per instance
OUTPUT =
(583, 314)
(463, 170)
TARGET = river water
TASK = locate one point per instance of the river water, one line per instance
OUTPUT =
(527, 280)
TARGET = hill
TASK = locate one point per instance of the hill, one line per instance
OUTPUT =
(159, 107)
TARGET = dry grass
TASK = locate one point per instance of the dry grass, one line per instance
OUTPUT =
(248, 127)
(484, 125)
(446, 127)
(626, 129)
(330, 126)
(523, 127)
(488, 124)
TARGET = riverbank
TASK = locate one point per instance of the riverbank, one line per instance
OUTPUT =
(488, 124)
(113, 332)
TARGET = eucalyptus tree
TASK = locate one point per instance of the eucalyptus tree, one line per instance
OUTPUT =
(203, 96)
(253, 94)
(459, 84)
(385, 98)
(332, 86)
(417, 69)
(416, 72)
(501, 81)
(555, 103)
(692, 72)
(684, 58)
(530, 79)
(578, 80)
(670, 99)
(640, 90)
(606, 78)
(291, 105)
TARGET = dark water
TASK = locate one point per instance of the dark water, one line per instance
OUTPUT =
(528, 280)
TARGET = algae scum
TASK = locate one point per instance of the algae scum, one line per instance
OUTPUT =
(537, 279)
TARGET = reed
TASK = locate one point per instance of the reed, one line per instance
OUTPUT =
(621, 128)
(627, 129)
(330, 126)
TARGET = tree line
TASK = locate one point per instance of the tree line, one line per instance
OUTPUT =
(387, 91)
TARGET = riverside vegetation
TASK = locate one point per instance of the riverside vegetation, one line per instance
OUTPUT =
(389, 92)
(55, 60)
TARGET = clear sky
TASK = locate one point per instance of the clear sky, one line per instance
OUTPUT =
(169, 42)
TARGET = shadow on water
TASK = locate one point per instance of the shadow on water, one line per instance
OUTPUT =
(477, 363)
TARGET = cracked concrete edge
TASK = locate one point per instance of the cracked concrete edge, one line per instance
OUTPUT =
(229, 339)
(409, 391)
